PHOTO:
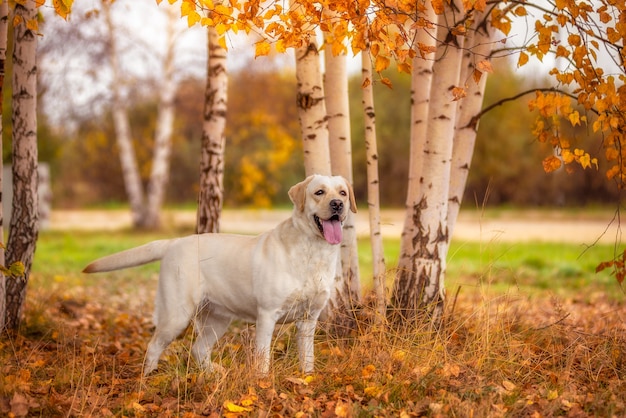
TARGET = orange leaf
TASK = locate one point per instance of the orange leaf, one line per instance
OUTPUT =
(458, 93)
(381, 63)
(523, 59)
(261, 48)
(551, 164)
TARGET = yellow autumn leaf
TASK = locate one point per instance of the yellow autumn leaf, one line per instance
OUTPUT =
(567, 156)
(368, 371)
(186, 8)
(552, 395)
(206, 4)
(62, 7)
(221, 28)
(574, 118)
(342, 410)
(222, 42)
(32, 25)
(261, 48)
(523, 59)
(381, 63)
(404, 67)
(233, 407)
(373, 391)
(387, 82)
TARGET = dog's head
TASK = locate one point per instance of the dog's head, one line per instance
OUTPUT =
(323, 202)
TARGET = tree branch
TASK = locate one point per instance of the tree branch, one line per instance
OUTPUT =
(473, 123)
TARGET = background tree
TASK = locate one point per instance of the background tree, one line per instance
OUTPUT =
(160, 170)
(211, 196)
(23, 228)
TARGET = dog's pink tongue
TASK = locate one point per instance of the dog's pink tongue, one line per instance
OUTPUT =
(332, 231)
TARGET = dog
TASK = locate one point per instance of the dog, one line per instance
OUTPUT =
(284, 275)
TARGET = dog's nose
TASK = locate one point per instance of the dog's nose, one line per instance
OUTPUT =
(336, 205)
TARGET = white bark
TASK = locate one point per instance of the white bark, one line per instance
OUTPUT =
(422, 287)
(312, 110)
(479, 46)
(24, 228)
(128, 161)
(340, 145)
(213, 140)
(373, 187)
(421, 77)
(159, 174)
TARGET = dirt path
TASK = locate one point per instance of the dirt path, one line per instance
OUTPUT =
(516, 226)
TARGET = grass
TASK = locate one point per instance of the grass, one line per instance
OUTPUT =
(534, 332)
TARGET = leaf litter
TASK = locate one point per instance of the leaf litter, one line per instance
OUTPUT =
(80, 353)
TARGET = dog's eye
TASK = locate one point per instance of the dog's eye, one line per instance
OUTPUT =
(319, 192)
(343, 193)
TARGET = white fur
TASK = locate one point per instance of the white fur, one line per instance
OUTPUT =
(283, 275)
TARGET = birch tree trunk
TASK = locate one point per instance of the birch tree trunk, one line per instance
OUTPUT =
(128, 161)
(479, 47)
(210, 198)
(159, 174)
(340, 146)
(373, 192)
(421, 77)
(312, 110)
(23, 229)
(4, 19)
(421, 289)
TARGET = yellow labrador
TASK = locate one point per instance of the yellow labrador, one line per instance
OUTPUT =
(283, 275)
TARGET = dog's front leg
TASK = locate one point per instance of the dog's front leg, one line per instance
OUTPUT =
(265, 324)
(305, 337)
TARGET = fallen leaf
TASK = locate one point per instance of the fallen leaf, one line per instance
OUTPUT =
(19, 405)
(233, 407)
(368, 371)
(508, 385)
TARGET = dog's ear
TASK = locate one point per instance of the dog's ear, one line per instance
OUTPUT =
(351, 195)
(297, 193)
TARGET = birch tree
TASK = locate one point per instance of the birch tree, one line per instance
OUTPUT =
(475, 66)
(145, 207)
(425, 39)
(210, 198)
(421, 287)
(159, 174)
(340, 147)
(23, 228)
(121, 123)
(312, 110)
(373, 186)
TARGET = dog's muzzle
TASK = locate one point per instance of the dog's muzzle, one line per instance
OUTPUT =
(331, 228)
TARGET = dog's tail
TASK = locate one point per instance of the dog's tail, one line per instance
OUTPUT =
(137, 256)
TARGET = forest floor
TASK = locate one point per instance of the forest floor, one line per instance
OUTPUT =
(559, 350)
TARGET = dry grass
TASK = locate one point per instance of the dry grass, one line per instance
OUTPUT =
(81, 350)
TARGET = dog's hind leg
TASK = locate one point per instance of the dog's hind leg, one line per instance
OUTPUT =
(209, 328)
(167, 329)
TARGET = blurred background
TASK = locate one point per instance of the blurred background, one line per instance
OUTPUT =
(263, 146)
